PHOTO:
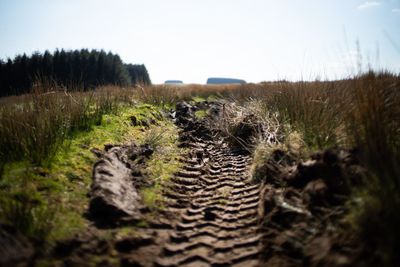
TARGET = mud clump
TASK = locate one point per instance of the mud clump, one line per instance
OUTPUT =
(245, 132)
(114, 195)
(135, 121)
(218, 124)
(303, 207)
(193, 130)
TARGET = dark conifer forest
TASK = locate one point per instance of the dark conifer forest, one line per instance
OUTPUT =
(83, 69)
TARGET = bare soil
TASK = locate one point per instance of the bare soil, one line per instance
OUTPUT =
(217, 204)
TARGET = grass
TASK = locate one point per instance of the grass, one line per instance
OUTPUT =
(26, 213)
(163, 163)
(35, 126)
(45, 141)
(72, 167)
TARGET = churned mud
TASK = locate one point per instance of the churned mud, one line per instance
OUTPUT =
(304, 208)
(218, 218)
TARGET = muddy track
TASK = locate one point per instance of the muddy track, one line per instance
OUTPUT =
(213, 213)
(218, 209)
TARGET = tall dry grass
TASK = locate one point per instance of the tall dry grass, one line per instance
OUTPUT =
(170, 94)
(33, 127)
(373, 126)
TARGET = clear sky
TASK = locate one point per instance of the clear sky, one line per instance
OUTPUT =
(191, 40)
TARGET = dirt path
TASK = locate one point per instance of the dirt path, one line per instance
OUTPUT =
(218, 206)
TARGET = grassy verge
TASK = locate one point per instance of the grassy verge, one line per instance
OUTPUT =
(34, 127)
(163, 163)
(31, 193)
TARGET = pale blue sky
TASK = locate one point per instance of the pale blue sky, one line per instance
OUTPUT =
(192, 40)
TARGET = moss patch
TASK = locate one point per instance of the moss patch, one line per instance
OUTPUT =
(200, 114)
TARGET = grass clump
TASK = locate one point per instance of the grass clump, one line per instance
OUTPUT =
(292, 148)
(200, 114)
(311, 110)
(248, 123)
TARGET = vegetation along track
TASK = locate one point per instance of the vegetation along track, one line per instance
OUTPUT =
(218, 205)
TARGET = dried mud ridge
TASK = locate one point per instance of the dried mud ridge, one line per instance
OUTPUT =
(218, 205)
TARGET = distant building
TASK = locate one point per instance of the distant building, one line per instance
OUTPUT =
(173, 82)
(224, 81)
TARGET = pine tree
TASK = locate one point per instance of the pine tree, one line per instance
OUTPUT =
(83, 68)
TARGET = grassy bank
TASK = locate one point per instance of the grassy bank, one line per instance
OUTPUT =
(46, 144)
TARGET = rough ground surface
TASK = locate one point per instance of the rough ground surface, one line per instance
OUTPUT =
(219, 212)
(217, 204)
(214, 214)
(211, 214)
(114, 196)
(304, 204)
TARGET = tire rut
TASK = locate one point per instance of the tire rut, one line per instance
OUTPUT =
(217, 207)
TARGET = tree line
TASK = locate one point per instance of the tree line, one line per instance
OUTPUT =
(73, 68)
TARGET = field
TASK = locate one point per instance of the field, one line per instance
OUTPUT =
(277, 173)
